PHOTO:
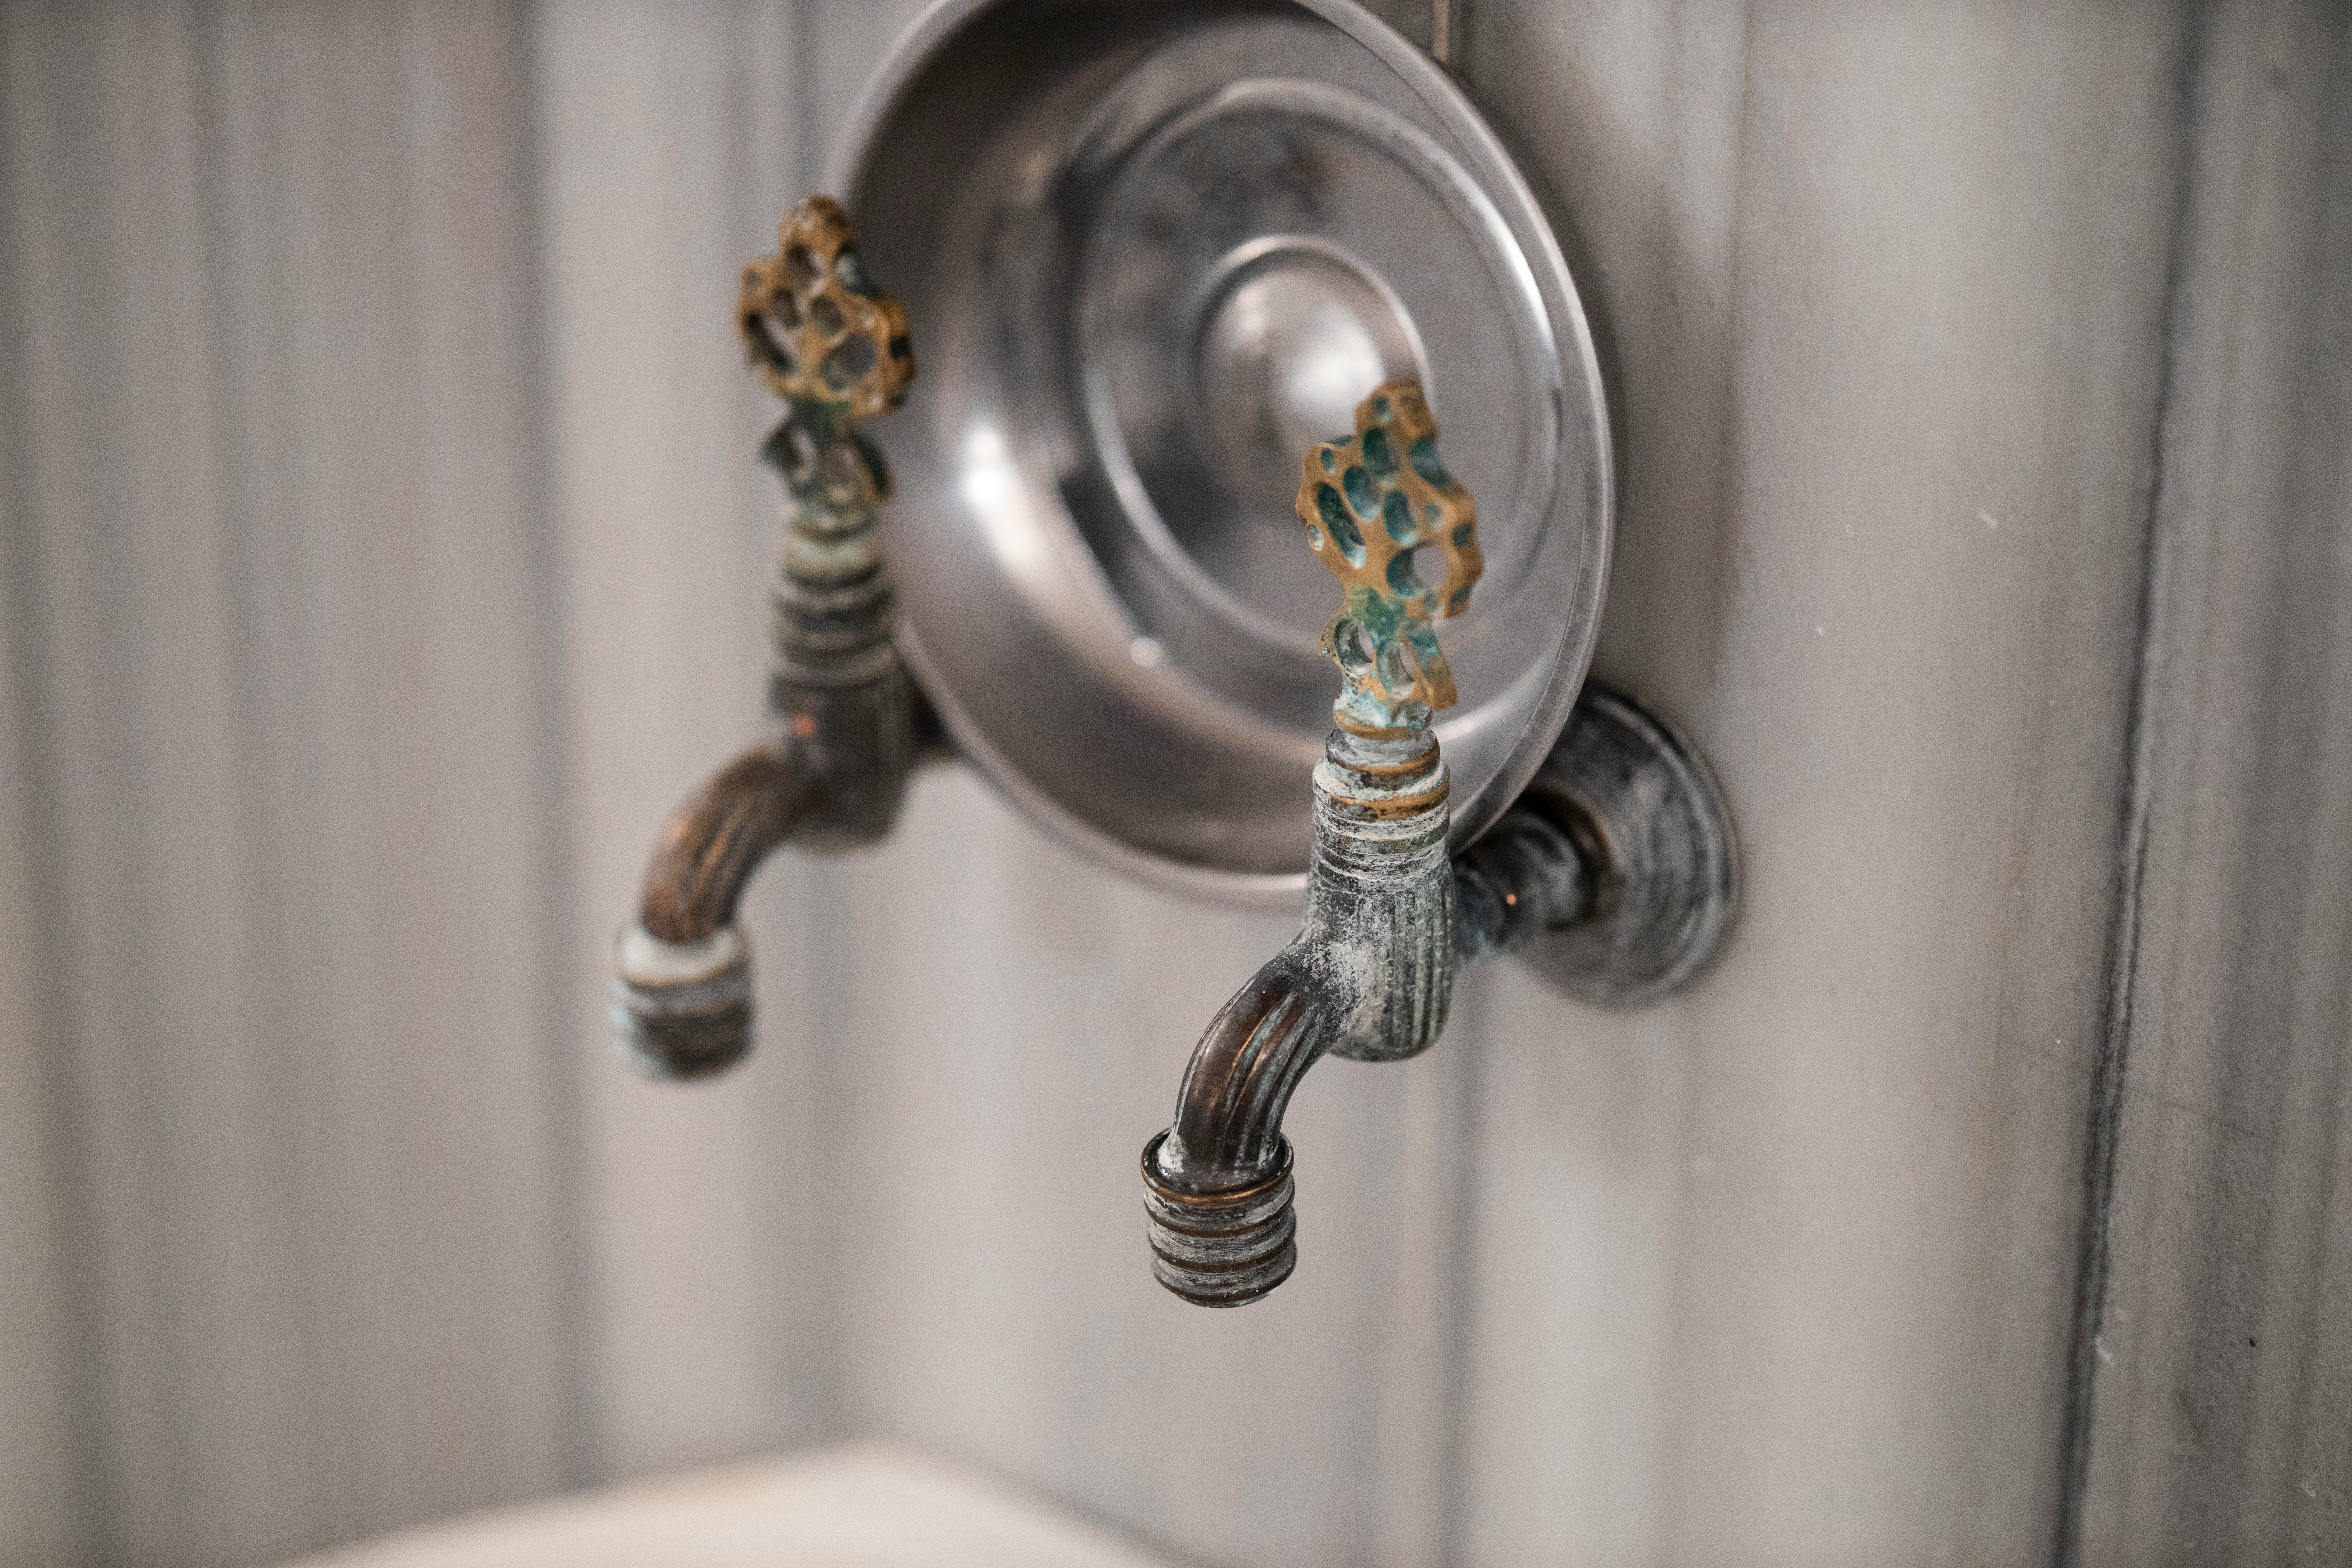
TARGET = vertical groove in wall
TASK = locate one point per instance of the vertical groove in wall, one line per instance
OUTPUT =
(43, 1012)
(559, 817)
(2108, 1068)
(233, 343)
(808, 113)
(1459, 1234)
(25, 54)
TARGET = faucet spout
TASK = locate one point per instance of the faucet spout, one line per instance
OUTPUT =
(681, 973)
(1370, 975)
(1217, 1181)
(846, 724)
(713, 842)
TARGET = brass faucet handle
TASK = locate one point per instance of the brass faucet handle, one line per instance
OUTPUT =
(816, 327)
(1382, 512)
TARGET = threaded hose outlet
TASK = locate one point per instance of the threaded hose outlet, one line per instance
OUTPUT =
(1220, 1249)
(681, 1010)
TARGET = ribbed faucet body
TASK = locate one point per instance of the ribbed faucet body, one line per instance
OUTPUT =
(1370, 975)
(829, 774)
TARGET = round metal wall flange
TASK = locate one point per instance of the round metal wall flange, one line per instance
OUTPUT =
(1651, 822)
(1154, 252)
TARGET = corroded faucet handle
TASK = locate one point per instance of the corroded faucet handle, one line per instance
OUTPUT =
(1376, 506)
(821, 337)
(843, 714)
(816, 326)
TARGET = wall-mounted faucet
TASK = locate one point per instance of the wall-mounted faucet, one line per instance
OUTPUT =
(845, 723)
(1623, 843)
(1147, 284)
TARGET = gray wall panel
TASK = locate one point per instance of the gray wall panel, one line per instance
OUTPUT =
(269, 275)
(43, 1456)
(1779, 1273)
(2218, 1373)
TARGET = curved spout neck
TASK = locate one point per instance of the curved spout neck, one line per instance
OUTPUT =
(1368, 975)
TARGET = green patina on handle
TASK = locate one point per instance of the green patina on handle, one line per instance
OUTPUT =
(1380, 511)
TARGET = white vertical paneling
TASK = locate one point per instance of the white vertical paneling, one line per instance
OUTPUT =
(274, 350)
(668, 152)
(137, 699)
(1779, 1273)
(367, 225)
(2216, 1372)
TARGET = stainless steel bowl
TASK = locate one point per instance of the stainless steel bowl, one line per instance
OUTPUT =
(1152, 251)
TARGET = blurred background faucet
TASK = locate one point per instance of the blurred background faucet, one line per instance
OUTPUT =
(843, 716)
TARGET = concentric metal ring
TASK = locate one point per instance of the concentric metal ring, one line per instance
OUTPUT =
(1157, 249)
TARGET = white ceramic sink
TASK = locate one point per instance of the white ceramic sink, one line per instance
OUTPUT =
(852, 1504)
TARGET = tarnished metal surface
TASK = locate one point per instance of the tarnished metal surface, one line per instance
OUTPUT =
(1370, 973)
(1378, 507)
(1523, 878)
(710, 847)
(843, 715)
(1617, 875)
(1655, 838)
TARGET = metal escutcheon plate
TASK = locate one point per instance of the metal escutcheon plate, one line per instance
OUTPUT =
(1647, 812)
(1152, 253)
